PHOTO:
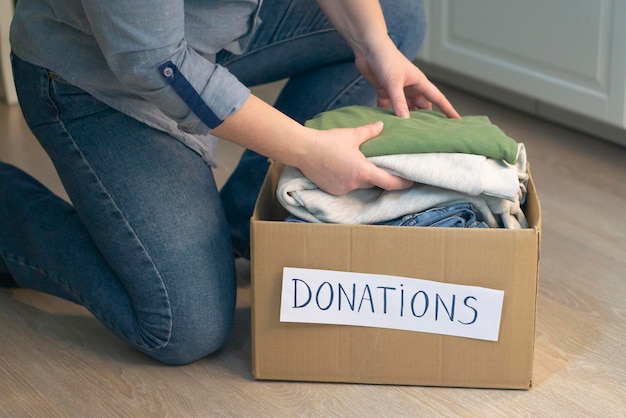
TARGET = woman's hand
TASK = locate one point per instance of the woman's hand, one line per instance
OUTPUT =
(335, 164)
(398, 82)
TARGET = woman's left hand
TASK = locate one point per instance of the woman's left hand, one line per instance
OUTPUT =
(398, 82)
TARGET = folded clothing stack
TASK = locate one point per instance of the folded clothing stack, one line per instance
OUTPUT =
(451, 161)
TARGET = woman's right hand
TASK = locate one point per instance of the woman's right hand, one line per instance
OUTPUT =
(335, 164)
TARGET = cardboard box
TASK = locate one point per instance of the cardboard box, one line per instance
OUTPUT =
(492, 258)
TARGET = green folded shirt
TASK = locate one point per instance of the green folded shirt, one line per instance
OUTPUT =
(425, 131)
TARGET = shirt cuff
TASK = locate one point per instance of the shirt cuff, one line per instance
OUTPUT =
(222, 95)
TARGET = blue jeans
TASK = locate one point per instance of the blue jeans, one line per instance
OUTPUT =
(456, 215)
(145, 244)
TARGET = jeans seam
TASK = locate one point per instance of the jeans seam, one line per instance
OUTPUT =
(22, 262)
(343, 92)
(15, 259)
(129, 228)
(273, 44)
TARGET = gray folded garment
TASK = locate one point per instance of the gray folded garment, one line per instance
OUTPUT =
(466, 173)
(494, 187)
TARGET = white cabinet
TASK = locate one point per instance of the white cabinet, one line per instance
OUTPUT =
(562, 54)
(7, 90)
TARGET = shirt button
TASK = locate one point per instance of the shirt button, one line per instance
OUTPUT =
(168, 72)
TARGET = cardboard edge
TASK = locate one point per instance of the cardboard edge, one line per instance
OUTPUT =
(533, 208)
(266, 203)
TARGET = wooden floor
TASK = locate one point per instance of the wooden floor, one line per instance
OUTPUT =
(57, 360)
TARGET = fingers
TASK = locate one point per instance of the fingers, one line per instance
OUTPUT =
(423, 103)
(398, 102)
(375, 176)
(337, 166)
(370, 174)
(366, 132)
(383, 102)
(445, 106)
(384, 180)
(416, 98)
(435, 96)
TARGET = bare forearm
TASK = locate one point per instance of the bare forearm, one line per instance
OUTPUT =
(360, 22)
(261, 128)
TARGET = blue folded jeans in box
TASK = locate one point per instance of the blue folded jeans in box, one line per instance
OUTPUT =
(456, 215)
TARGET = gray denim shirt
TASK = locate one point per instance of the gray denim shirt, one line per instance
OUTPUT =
(122, 52)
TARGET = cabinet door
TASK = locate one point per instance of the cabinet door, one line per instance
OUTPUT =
(7, 89)
(567, 53)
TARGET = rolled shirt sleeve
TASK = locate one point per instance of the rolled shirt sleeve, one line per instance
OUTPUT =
(142, 41)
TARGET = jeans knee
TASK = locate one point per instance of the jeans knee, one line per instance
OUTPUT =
(406, 24)
(192, 344)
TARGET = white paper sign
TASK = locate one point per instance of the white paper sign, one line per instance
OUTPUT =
(374, 300)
